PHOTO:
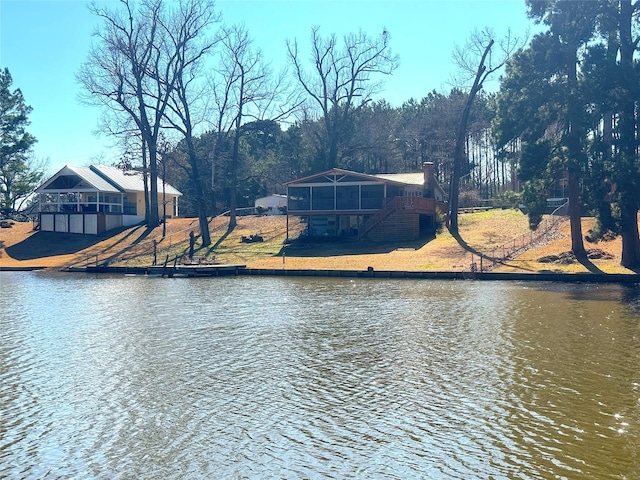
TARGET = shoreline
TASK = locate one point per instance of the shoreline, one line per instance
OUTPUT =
(242, 270)
(22, 269)
(443, 256)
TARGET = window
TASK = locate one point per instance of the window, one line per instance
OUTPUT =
(322, 226)
(347, 197)
(372, 197)
(322, 198)
(298, 198)
(65, 182)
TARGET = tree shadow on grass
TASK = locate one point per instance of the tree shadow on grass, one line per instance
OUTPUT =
(588, 264)
(51, 244)
(211, 248)
(583, 260)
(114, 254)
(333, 247)
(468, 247)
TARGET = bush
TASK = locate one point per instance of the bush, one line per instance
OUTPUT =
(507, 199)
(469, 199)
(440, 220)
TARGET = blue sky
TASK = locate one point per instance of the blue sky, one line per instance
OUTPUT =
(43, 43)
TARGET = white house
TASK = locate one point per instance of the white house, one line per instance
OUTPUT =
(98, 198)
(273, 204)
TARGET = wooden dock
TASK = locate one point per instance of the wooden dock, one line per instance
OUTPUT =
(169, 271)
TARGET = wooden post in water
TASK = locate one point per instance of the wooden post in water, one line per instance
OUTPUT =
(164, 267)
(173, 270)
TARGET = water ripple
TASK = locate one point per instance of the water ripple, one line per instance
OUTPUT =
(315, 378)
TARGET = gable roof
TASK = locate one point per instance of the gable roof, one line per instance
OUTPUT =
(101, 178)
(397, 178)
(78, 179)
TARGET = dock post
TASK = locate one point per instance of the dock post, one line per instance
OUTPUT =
(164, 267)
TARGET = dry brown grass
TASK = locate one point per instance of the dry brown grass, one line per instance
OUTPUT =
(485, 232)
(561, 242)
(21, 246)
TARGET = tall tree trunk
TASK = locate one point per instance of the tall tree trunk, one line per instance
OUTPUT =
(627, 164)
(330, 153)
(154, 217)
(575, 216)
(233, 188)
(145, 177)
(575, 154)
(233, 200)
(630, 234)
(461, 133)
(203, 221)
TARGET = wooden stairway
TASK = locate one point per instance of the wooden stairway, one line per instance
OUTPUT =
(387, 209)
(399, 219)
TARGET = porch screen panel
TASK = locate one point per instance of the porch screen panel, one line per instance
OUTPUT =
(347, 197)
(393, 191)
(372, 196)
(299, 198)
(322, 198)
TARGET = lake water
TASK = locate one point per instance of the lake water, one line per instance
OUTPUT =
(134, 377)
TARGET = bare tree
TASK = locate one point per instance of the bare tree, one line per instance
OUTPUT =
(186, 30)
(244, 89)
(341, 80)
(476, 62)
(129, 70)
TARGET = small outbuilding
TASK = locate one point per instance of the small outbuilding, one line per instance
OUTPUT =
(92, 200)
(272, 204)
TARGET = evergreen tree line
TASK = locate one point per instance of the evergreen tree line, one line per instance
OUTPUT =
(20, 174)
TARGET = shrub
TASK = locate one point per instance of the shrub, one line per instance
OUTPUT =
(440, 220)
(469, 199)
(507, 199)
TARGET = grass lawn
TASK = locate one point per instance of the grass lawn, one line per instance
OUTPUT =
(487, 232)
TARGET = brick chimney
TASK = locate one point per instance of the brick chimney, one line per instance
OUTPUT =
(429, 180)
